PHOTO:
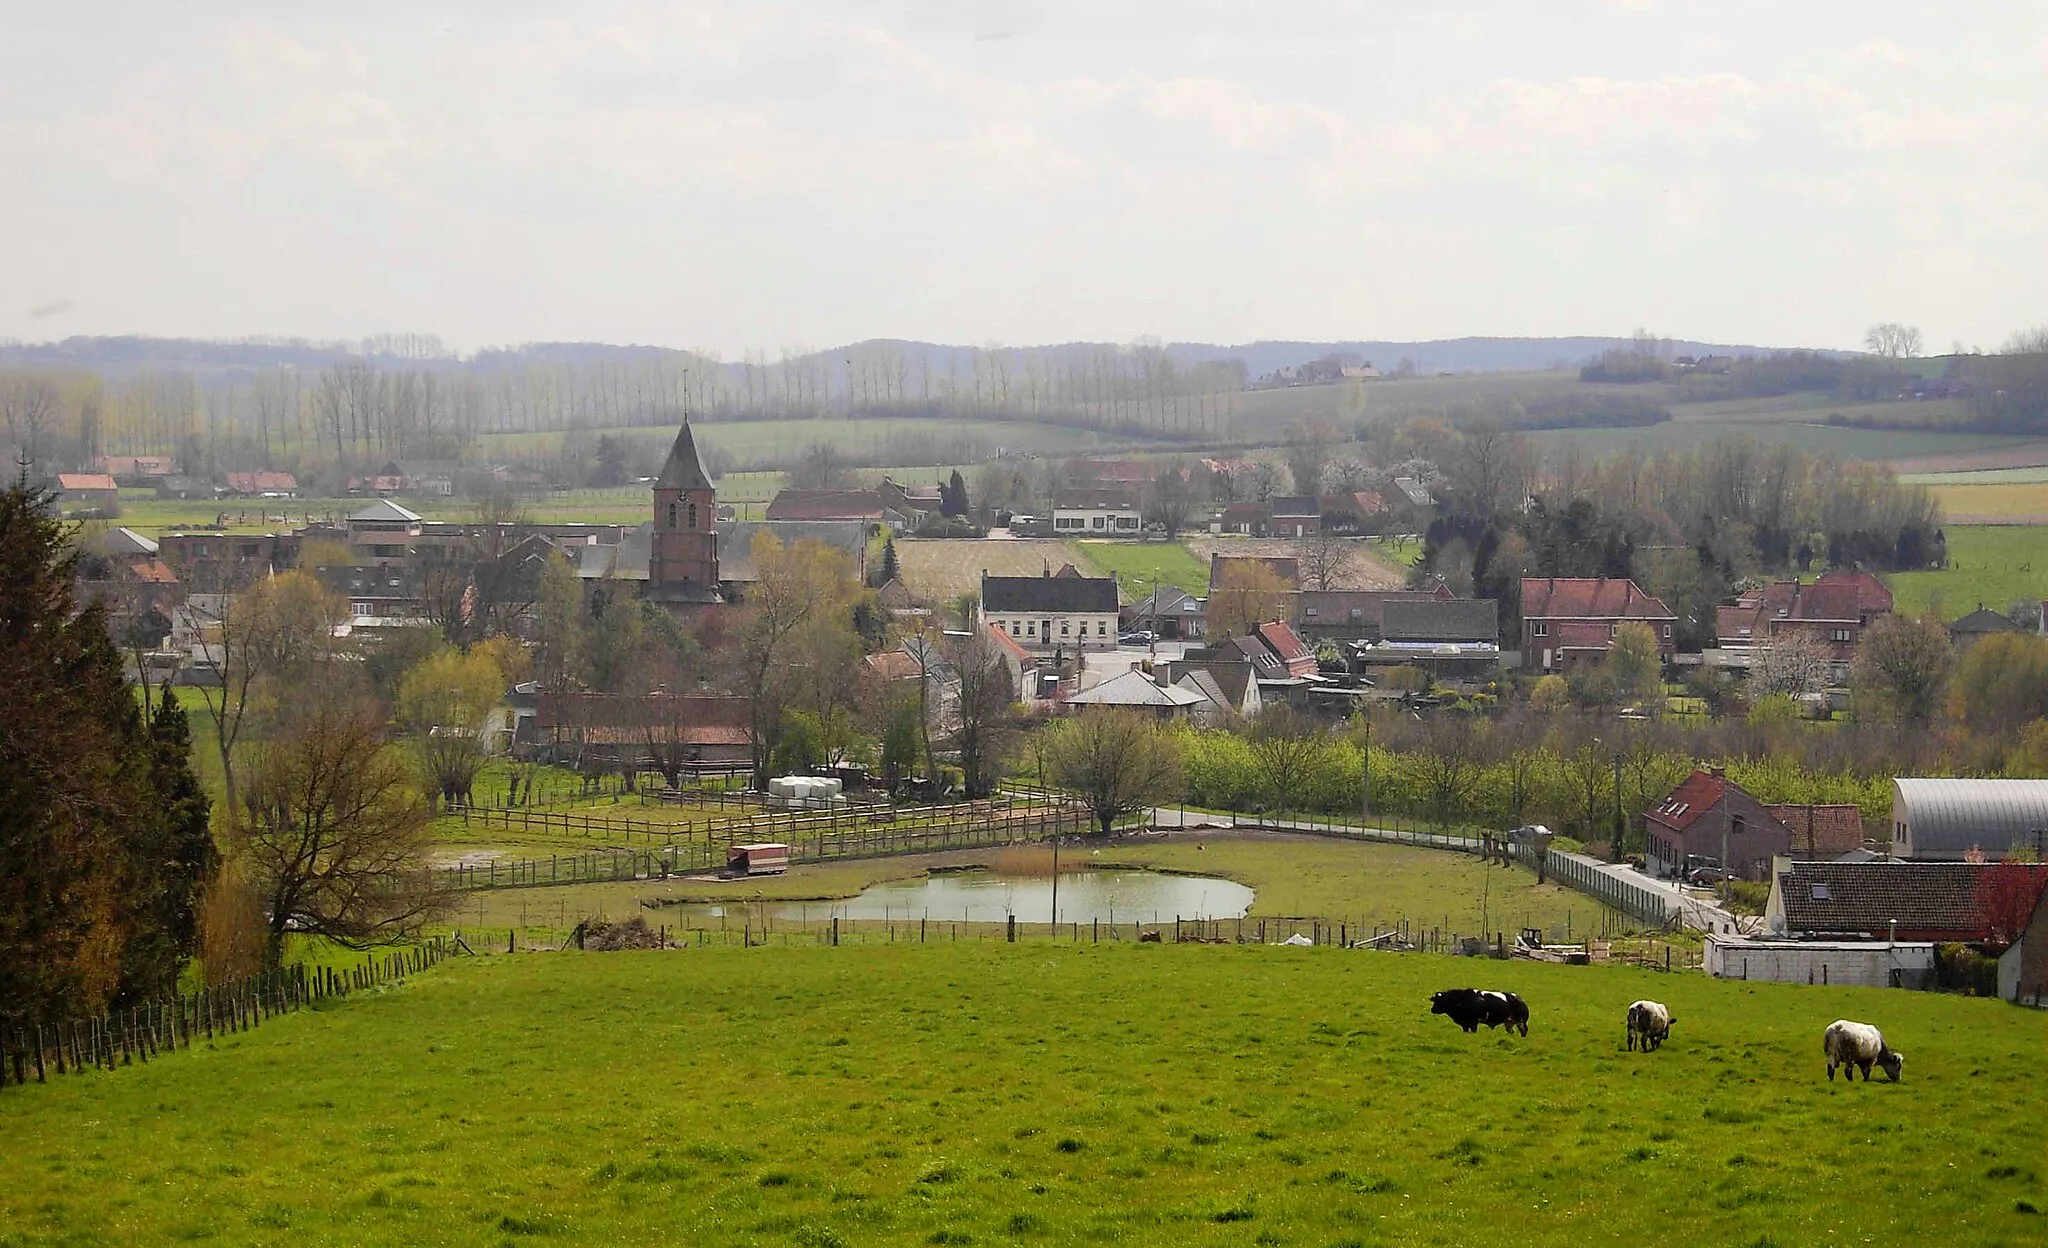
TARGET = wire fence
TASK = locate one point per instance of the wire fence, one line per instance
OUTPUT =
(165, 1025)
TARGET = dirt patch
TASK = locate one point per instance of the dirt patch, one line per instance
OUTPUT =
(942, 569)
(610, 937)
(1369, 570)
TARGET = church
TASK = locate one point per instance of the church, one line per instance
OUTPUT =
(685, 558)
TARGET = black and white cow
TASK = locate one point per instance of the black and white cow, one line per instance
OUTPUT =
(1649, 1024)
(1469, 1007)
(1859, 1046)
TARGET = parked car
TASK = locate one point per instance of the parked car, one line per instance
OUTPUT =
(1705, 877)
(1137, 637)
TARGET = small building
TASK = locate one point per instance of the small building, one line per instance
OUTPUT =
(1833, 612)
(1977, 625)
(138, 470)
(1863, 963)
(1133, 690)
(766, 858)
(1571, 620)
(866, 506)
(1450, 638)
(87, 491)
(1100, 511)
(1821, 832)
(176, 485)
(1709, 818)
(1296, 516)
(1249, 519)
(1950, 820)
(383, 530)
(1230, 687)
(1934, 901)
(1049, 612)
(262, 484)
(1354, 614)
(2023, 967)
(1169, 611)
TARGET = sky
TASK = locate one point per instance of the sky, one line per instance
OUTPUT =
(759, 174)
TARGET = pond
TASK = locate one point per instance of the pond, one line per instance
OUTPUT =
(991, 897)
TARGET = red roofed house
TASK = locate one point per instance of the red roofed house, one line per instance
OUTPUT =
(1569, 620)
(259, 484)
(79, 490)
(665, 731)
(1706, 812)
(1277, 655)
(864, 505)
(1821, 832)
(134, 469)
(1834, 610)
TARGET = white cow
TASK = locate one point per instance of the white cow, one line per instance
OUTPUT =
(1649, 1024)
(1859, 1046)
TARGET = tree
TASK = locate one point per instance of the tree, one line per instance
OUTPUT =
(984, 720)
(2007, 893)
(270, 640)
(899, 741)
(615, 639)
(1551, 695)
(820, 467)
(1171, 500)
(1796, 663)
(175, 859)
(1250, 594)
(445, 707)
(559, 658)
(1634, 663)
(953, 496)
(2001, 682)
(1448, 766)
(1325, 560)
(1117, 762)
(1289, 749)
(1902, 668)
(892, 568)
(1308, 450)
(1893, 341)
(798, 586)
(336, 837)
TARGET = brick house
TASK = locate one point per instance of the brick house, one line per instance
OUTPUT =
(1926, 900)
(1705, 811)
(1834, 611)
(1570, 620)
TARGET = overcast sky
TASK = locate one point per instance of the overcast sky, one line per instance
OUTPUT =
(752, 173)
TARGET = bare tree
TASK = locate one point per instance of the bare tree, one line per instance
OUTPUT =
(29, 403)
(336, 837)
(1289, 749)
(1326, 560)
(984, 712)
(1796, 663)
(1308, 450)
(795, 586)
(1250, 594)
(1449, 766)
(1893, 340)
(1117, 762)
(1171, 499)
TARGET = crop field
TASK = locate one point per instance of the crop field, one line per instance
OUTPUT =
(2018, 502)
(2034, 474)
(1136, 565)
(750, 440)
(1996, 565)
(942, 569)
(1041, 1093)
(1812, 435)
(1370, 565)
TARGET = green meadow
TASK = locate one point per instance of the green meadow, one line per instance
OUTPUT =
(1042, 1094)
(1996, 565)
(1137, 565)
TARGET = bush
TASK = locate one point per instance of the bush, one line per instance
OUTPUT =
(1747, 897)
(1961, 968)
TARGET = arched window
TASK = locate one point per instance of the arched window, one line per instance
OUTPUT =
(671, 515)
(693, 515)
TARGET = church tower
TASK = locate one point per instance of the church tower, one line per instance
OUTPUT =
(683, 562)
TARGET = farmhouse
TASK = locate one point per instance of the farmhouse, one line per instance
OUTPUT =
(1947, 820)
(1450, 638)
(262, 484)
(866, 506)
(81, 491)
(1934, 901)
(1134, 690)
(1169, 611)
(383, 530)
(1045, 612)
(1097, 512)
(134, 469)
(1833, 612)
(1296, 517)
(1705, 817)
(1977, 625)
(1354, 614)
(657, 732)
(1571, 620)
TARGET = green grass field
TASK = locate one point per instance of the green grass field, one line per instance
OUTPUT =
(1995, 565)
(984, 1093)
(1135, 565)
(748, 440)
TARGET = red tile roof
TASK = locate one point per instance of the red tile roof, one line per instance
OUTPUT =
(895, 665)
(85, 481)
(1697, 794)
(1836, 829)
(1585, 597)
(826, 505)
(1282, 641)
(262, 482)
(153, 571)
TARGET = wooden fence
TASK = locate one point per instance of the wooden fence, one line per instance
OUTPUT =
(836, 834)
(155, 1028)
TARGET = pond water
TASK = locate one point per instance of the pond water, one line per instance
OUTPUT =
(991, 897)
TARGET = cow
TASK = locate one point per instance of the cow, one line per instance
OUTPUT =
(1469, 1007)
(1649, 1024)
(1859, 1046)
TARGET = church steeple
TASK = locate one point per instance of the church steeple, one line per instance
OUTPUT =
(683, 566)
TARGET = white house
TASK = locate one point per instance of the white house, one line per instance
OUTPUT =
(1097, 513)
(1068, 610)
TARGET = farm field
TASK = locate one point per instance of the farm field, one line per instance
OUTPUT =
(1995, 565)
(941, 569)
(749, 440)
(1040, 1093)
(1812, 435)
(1136, 564)
(1371, 567)
(2016, 502)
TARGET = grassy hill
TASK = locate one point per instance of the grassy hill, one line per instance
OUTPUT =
(1035, 1093)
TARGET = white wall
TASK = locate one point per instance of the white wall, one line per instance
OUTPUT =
(1868, 965)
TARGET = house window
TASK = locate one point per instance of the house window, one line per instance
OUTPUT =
(1031, 627)
(1063, 628)
(1667, 632)
(1310, 613)
(1095, 522)
(1102, 628)
(1841, 634)
(1539, 629)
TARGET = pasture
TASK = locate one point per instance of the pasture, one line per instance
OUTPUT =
(782, 441)
(1996, 565)
(1136, 565)
(2004, 502)
(942, 569)
(1041, 1093)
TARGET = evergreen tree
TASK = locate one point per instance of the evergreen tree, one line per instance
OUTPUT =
(172, 861)
(953, 496)
(892, 569)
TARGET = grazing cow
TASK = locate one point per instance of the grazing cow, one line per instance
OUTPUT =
(1649, 1024)
(1469, 1007)
(1859, 1046)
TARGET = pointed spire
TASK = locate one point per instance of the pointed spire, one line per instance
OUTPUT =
(685, 467)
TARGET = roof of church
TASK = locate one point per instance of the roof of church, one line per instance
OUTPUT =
(685, 467)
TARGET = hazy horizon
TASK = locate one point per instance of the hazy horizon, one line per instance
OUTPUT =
(768, 175)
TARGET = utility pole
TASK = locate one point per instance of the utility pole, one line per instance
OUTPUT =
(1055, 877)
(1365, 789)
(1152, 647)
(1619, 827)
(1722, 883)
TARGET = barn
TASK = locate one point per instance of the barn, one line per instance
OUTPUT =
(1948, 820)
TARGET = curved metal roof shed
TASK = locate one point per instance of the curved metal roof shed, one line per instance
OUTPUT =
(1943, 820)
